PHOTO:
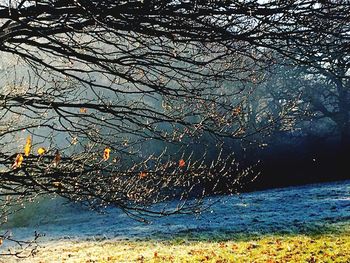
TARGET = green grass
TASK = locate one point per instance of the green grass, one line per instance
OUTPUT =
(332, 245)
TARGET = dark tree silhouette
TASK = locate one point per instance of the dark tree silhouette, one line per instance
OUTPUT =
(118, 102)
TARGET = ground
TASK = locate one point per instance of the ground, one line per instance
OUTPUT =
(296, 224)
(276, 248)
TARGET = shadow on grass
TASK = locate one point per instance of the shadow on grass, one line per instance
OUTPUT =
(313, 230)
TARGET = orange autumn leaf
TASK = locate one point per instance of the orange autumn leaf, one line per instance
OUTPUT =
(182, 163)
(106, 153)
(18, 161)
(143, 175)
(83, 110)
(28, 146)
(41, 150)
(57, 158)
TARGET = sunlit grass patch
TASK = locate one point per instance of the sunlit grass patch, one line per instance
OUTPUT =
(326, 247)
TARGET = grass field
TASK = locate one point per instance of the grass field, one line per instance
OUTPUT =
(296, 224)
(319, 247)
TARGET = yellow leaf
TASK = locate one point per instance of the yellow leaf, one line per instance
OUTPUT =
(106, 153)
(83, 110)
(18, 161)
(28, 146)
(41, 150)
